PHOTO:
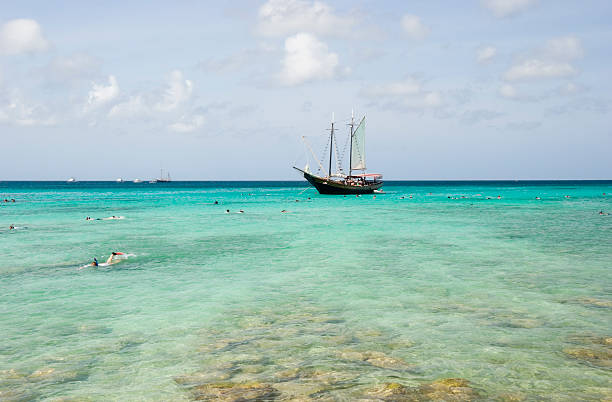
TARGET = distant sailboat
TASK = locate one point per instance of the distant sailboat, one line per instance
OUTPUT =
(71, 180)
(338, 182)
(161, 178)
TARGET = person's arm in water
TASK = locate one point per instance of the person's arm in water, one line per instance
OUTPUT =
(110, 259)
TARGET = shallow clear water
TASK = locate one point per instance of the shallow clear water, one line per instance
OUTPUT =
(349, 292)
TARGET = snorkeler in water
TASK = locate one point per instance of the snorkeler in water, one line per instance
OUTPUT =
(112, 259)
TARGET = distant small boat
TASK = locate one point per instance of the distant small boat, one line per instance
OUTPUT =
(119, 180)
(161, 178)
(137, 181)
(71, 180)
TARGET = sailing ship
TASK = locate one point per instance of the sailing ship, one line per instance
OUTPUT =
(161, 178)
(338, 182)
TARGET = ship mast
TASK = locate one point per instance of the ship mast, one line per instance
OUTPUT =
(331, 145)
(351, 141)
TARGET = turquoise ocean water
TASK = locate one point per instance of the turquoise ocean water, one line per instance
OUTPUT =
(329, 300)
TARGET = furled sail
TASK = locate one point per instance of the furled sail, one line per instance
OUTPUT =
(358, 147)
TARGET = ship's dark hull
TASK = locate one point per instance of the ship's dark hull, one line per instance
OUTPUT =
(326, 186)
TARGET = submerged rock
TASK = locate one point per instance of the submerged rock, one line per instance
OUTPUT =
(338, 339)
(11, 374)
(289, 374)
(224, 345)
(511, 397)
(599, 357)
(591, 339)
(593, 302)
(447, 389)
(301, 391)
(399, 344)
(50, 374)
(388, 362)
(368, 334)
(306, 383)
(202, 378)
(128, 343)
(527, 323)
(377, 359)
(228, 391)
(41, 374)
(17, 395)
(392, 391)
(322, 376)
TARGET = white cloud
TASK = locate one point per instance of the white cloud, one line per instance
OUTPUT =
(14, 109)
(485, 54)
(539, 69)
(134, 106)
(413, 27)
(101, 94)
(22, 36)
(507, 91)
(177, 92)
(551, 61)
(564, 48)
(285, 17)
(169, 100)
(407, 93)
(187, 124)
(507, 8)
(306, 59)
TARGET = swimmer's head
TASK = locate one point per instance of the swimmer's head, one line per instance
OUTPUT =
(114, 253)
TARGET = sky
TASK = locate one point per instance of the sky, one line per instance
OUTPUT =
(477, 89)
